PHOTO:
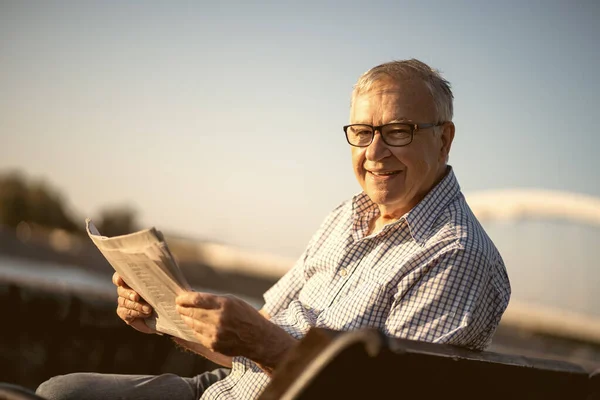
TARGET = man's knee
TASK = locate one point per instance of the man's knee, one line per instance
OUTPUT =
(64, 387)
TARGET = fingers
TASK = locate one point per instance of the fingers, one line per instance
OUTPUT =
(132, 300)
(196, 324)
(195, 313)
(129, 315)
(130, 304)
(118, 281)
(197, 299)
(115, 279)
(142, 308)
(128, 294)
(200, 311)
(131, 307)
(206, 333)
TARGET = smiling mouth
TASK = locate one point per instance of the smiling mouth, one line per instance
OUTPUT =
(384, 173)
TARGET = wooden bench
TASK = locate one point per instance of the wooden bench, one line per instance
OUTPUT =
(365, 364)
(595, 385)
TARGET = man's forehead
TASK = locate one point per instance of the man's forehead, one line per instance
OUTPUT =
(391, 95)
(411, 87)
(410, 98)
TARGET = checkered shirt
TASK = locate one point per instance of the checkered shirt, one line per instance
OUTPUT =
(434, 275)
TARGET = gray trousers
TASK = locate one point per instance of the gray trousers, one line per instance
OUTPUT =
(92, 386)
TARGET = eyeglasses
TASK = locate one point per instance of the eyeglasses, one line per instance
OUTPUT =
(396, 134)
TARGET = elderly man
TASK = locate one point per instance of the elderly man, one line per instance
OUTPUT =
(406, 256)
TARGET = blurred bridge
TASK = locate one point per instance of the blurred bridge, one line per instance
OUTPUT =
(513, 204)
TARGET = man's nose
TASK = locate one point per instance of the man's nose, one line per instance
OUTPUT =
(377, 150)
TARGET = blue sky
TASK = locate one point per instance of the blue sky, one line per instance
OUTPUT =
(223, 119)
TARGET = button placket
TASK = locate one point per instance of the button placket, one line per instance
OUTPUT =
(345, 272)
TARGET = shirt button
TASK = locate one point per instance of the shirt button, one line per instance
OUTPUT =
(343, 272)
(306, 307)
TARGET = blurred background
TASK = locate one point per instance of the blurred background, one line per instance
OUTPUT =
(220, 124)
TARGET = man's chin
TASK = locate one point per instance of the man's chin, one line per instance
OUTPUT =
(386, 199)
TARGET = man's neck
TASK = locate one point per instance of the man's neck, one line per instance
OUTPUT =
(388, 216)
(377, 224)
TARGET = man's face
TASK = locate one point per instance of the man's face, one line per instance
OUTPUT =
(416, 167)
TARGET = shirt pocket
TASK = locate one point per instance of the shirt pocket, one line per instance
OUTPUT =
(367, 306)
(321, 265)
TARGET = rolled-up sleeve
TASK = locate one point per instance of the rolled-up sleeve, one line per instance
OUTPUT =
(456, 300)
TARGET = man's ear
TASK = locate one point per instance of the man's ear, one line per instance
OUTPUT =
(447, 136)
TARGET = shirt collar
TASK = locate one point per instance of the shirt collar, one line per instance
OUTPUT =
(419, 219)
(363, 211)
(423, 215)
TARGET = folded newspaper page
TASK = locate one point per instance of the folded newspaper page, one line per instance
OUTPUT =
(145, 263)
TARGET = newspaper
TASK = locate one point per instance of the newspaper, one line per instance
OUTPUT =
(145, 263)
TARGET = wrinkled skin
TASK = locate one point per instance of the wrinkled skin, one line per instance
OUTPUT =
(131, 308)
(224, 325)
(230, 326)
(418, 166)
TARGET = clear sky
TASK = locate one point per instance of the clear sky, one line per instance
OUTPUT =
(222, 120)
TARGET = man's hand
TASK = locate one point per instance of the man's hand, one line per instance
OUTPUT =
(230, 326)
(131, 308)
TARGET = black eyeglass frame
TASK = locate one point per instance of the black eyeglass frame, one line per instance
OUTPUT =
(413, 128)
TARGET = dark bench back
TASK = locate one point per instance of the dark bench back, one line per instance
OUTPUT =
(364, 364)
(595, 385)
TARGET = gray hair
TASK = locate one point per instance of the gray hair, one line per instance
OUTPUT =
(399, 70)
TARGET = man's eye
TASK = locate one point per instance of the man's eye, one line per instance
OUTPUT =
(398, 133)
